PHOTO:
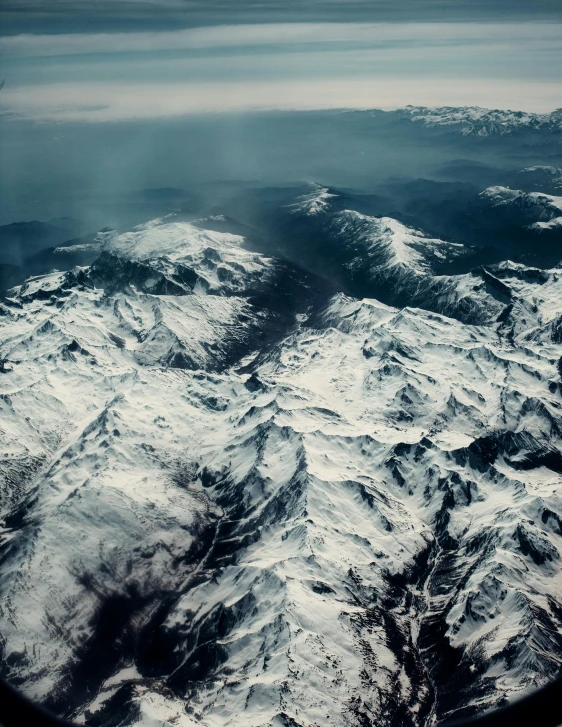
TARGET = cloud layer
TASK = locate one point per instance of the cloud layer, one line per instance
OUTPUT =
(121, 102)
(112, 76)
(308, 35)
(66, 15)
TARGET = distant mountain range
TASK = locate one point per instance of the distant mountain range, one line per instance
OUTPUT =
(476, 121)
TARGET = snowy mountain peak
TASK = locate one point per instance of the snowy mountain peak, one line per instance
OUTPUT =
(386, 242)
(192, 256)
(314, 202)
(544, 210)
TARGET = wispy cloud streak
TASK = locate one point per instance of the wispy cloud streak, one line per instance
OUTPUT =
(63, 15)
(294, 34)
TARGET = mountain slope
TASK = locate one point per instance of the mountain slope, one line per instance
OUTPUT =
(379, 256)
(233, 497)
(542, 211)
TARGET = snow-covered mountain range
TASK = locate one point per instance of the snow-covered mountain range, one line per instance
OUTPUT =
(234, 495)
(477, 121)
(543, 210)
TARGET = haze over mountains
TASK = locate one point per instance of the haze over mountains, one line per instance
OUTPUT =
(286, 452)
(427, 168)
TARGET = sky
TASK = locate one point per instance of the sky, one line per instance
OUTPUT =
(117, 60)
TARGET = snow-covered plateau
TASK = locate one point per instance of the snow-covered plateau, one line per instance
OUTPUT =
(233, 496)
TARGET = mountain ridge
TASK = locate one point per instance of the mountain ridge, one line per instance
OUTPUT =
(477, 121)
(267, 502)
